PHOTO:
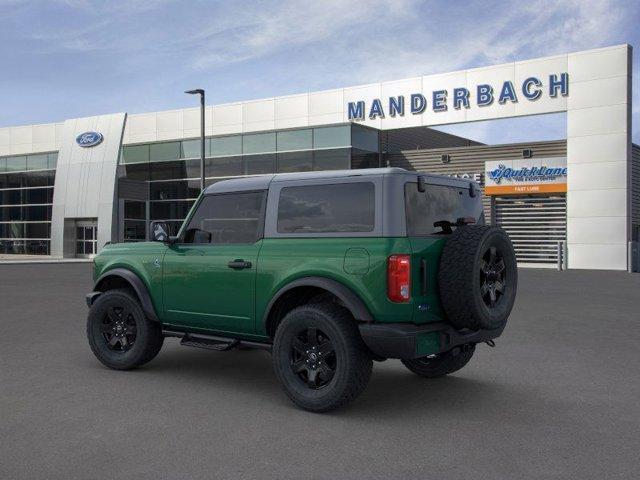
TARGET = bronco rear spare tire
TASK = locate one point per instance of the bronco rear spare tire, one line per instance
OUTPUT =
(478, 277)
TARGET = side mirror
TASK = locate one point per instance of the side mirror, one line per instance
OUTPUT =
(159, 231)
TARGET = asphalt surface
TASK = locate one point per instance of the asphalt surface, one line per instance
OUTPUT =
(559, 397)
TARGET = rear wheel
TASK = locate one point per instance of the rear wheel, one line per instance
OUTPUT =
(119, 333)
(441, 364)
(319, 357)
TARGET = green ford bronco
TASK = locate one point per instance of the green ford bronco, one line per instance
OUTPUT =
(326, 270)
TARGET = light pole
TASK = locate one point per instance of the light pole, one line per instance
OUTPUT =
(200, 91)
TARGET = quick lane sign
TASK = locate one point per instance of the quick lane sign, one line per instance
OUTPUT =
(511, 177)
(481, 95)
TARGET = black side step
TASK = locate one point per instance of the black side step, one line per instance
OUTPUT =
(208, 343)
(212, 342)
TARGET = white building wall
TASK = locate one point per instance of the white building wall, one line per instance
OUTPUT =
(30, 139)
(598, 110)
(86, 179)
(599, 158)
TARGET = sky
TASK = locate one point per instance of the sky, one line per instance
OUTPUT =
(74, 58)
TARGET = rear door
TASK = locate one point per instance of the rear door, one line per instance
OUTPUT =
(442, 201)
(209, 275)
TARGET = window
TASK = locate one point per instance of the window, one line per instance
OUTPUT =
(344, 207)
(175, 190)
(22, 163)
(227, 219)
(12, 230)
(37, 230)
(134, 231)
(259, 143)
(134, 222)
(257, 164)
(170, 210)
(329, 137)
(437, 203)
(134, 210)
(37, 195)
(139, 171)
(331, 159)
(86, 239)
(191, 148)
(38, 162)
(362, 159)
(39, 179)
(26, 196)
(176, 170)
(224, 146)
(161, 152)
(223, 167)
(135, 154)
(52, 160)
(295, 140)
(16, 164)
(365, 139)
(295, 162)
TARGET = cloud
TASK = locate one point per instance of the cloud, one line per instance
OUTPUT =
(269, 47)
(290, 24)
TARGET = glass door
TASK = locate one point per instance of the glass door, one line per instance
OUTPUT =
(86, 239)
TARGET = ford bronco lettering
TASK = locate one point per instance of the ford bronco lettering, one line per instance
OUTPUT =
(326, 270)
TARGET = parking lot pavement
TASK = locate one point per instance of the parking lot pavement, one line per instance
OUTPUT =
(557, 398)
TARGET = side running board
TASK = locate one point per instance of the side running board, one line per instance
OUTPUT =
(212, 342)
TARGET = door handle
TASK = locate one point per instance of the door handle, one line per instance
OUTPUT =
(239, 264)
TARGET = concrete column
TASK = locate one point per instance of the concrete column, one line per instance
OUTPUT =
(85, 185)
(599, 158)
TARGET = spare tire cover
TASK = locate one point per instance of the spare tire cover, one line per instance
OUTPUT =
(478, 277)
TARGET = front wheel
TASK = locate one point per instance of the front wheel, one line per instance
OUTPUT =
(319, 357)
(441, 364)
(119, 333)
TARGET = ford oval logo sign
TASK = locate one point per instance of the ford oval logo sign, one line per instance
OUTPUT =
(89, 139)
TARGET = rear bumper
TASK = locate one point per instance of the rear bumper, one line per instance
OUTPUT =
(407, 341)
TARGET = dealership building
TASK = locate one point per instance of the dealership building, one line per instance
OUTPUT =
(68, 188)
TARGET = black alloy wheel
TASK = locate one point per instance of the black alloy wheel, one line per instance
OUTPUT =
(119, 328)
(478, 277)
(319, 357)
(441, 364)
(492, 277)
(313, 358)
(119, 333)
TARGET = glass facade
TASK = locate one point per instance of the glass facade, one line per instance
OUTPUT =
(26, 198)
(172, 169)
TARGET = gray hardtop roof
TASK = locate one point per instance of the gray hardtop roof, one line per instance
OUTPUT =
(262, 182)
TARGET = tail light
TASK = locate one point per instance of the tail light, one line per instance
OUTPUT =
(399, 278)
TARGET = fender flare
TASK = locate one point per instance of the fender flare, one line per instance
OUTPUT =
(138, 286)
(352, 301)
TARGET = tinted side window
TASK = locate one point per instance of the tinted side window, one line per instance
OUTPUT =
(228, 218)
(344, 207)
(437, 203)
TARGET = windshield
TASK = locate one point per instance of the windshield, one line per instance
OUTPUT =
(436, 204)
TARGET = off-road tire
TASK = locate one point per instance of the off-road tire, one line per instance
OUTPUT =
(148, 334)
(462, 278)
(443, 364)
(351, 359)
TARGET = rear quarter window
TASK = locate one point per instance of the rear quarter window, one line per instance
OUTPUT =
(339, 208)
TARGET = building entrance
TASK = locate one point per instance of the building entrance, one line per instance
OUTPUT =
(86, 238)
